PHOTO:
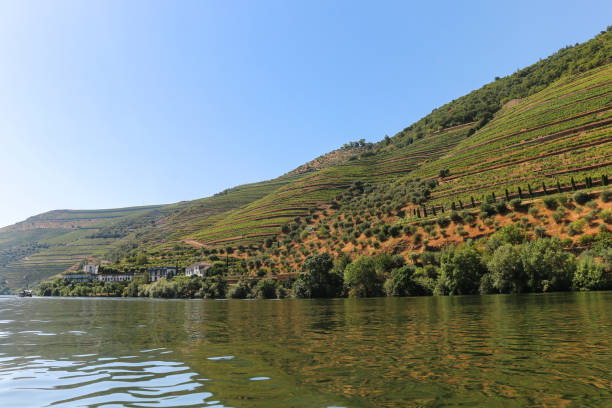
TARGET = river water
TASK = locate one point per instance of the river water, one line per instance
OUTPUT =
(527, 350)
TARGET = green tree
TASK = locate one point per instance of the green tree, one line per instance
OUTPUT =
(591, 275)
(507, 272)
(509, 234)
(401, 282)
(547, 266)
(319, 278)
(141, 259)
(265, 289)
(461, 270)
(361, 278)
(240, 290)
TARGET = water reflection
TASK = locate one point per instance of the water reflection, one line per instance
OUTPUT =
(490, 350)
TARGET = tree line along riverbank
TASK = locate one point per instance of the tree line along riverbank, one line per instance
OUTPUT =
(505, 262)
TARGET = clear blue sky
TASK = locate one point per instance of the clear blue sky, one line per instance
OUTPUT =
(117, 103)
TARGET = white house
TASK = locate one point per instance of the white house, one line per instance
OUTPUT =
(197, 269)
(90, 268)
(158, 272)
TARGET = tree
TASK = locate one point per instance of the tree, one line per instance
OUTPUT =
(385, 263)
(547, 266)
(240, 290)
(461, 270)
(141, 259)
(591, 275)
(318, 280)
(362, 279)
(265, 289)
(509, 234)
(401, 283)
(507, 272)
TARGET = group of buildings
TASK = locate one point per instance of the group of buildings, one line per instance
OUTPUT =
(92, 272)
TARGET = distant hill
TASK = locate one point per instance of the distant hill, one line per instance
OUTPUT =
(538, 129)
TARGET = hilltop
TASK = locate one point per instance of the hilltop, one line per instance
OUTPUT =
(449, 177)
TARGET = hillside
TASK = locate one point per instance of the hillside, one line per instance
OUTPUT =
(539, 129)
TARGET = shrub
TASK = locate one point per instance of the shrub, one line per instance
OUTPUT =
(586, 240)
(455, 217)
(563, 200)
(409, 230)
(559, 215)
(550, 203)
(592, 204)
(567, 242)
(516, 204)
(606, 195)
(443, 222)
(500, 207)
(487, 208)
(539, 231)
(461, 231)
(533, 211)
(606, 216)
(591, 275)
(590, 217)
(581, 197)
(576, 227)
(395, 231)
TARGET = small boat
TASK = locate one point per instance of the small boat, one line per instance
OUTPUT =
(25, 293)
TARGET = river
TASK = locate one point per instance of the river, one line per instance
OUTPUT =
(525, 350)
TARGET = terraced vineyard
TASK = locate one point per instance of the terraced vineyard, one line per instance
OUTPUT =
(562, 132)
(264, 217)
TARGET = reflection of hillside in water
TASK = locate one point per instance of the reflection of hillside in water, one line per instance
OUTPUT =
(490, 350)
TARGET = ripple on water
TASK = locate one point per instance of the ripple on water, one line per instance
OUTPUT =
(100, 382)
(221, 358)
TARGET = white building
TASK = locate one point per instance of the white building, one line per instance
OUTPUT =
(159, 272)
(78, 277)
(115, 277)
(90, 268)
(197, 269)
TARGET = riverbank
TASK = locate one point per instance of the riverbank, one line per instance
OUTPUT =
(505, 262)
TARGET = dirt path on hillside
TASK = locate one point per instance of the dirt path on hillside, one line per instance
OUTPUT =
(194, 243)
